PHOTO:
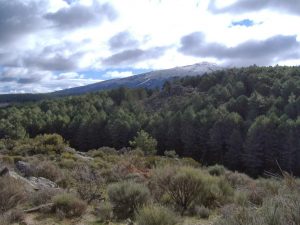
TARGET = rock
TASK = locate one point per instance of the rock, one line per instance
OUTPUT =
(28, 186)
(26, 169)
(4, 171)
(32, 184)
(42, 183)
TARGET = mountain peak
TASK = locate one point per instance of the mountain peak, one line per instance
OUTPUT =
(153, 79)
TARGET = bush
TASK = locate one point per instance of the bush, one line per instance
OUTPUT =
(11, 217)
(88, 183)
(11, 193)
(67, 163)
(242, 216)
(241, 198)
(279, 210)
(171, 154)
(216, 170)
(238, 180)
(104, 211)
(144, 142)
(187, 186)
(182, 184)
(49, 170)
(43, 196)
(202, 212)
(282, 210)
(68, 205)
(156, 215)
(126, 197)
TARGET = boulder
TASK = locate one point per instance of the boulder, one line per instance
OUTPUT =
(25, 168)
(42, 183)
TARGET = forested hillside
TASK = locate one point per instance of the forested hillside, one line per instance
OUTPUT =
(246, 119)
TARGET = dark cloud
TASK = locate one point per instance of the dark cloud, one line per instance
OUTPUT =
(18, 18)
(263, 52)
(78, 15)
(57, 62)
(52, 58)
(128, 57)
(242, 6)
(21, 75)
(122, 40)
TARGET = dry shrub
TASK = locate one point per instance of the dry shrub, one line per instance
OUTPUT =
(44, 196)
(12, 216)
(68, 205)
(89, 183)
(156, 215)
(11, 193)
(49, 170)
(104, 211)
(238, 180)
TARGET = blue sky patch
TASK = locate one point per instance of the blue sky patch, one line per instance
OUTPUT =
(101, 74)
(245, 22)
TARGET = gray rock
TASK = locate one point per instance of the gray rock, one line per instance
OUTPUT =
(28, 186)
(26, 169)
(42, 183)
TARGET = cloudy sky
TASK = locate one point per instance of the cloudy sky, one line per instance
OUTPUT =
(48, 45)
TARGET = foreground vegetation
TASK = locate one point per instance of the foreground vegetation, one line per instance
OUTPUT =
(132, 186)
(245, 119)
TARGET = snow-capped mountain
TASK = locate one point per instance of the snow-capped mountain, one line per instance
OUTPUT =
(154, 79)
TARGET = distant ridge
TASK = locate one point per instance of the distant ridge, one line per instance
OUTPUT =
(150, 80)
(154, 79)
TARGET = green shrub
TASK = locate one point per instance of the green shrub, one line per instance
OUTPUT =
(241, 198)
(187, 186)
(281, 210)
(190, 162)
(156, 215)
(144, 142)
(68, 205)
(126, 197)
(67, 163)
(171, 154)
(182, 184)
(138, 153)
(216, 170)
(104, 211)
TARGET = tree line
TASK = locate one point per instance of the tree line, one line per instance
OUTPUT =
(244, 118)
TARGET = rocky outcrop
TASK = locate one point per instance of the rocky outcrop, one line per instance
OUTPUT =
(30, 184)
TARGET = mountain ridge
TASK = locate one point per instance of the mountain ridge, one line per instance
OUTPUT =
(150, 80)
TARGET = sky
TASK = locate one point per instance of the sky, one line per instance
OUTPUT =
(49, 45)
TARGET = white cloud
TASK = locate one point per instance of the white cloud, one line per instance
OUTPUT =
(46, 36)
(117, 74)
